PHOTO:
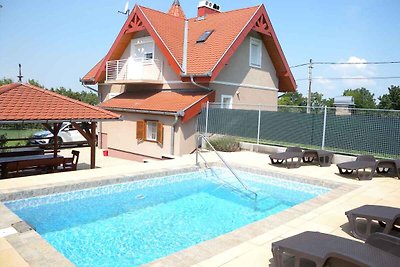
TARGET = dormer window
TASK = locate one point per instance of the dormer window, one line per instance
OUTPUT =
(205, 36)
(255, 53)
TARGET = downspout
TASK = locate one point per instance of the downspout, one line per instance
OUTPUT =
(184, 70)
(173, 134)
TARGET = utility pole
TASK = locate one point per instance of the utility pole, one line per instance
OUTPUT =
(310, 67)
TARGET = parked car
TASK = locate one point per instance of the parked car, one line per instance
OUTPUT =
(67, 135)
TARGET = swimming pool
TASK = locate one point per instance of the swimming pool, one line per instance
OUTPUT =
(135, 223)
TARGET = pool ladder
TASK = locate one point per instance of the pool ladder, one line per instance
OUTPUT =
(198, 154)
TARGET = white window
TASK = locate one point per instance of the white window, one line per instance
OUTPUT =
(226, 101)
(143, 49)
(255, 53)
(151, 131)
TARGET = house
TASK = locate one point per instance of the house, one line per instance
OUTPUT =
(163, 67)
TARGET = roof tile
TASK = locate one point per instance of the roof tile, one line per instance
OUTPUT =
(22, 102)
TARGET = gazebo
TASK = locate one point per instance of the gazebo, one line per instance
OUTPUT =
(25, 103)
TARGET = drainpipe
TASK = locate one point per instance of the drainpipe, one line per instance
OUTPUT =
(185, 47)
(198, 85)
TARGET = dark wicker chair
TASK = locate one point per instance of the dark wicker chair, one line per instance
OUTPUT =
(328, 250)
(292, 157)
(387, 217)
(363, 162)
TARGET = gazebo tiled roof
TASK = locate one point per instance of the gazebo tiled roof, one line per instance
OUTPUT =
(24, 102)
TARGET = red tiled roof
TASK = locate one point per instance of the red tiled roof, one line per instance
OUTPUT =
(230, 29)
(176, 10)
(24, 102)
(159, 101)
(169, 28)
(227, 26)
(89, 78)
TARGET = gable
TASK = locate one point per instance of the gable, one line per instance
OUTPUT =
(207, 59)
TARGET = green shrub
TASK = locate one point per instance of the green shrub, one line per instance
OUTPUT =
(225, 144)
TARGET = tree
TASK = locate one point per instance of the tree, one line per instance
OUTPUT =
(363, 98)
(390, 100)
(35, 83)
(87, 97)
(5, 81)
(292, 99)
(317, 100)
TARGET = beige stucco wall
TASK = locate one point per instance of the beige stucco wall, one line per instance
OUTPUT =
(238, 69)
(121, 135)
(186, 137)
(246, 96)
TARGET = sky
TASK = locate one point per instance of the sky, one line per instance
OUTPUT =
(58, 42)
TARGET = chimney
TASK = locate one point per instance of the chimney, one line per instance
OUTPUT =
(176, 10)
(206, 8)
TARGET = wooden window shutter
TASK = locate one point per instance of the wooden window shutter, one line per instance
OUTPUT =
(160, 133)
(140, 130)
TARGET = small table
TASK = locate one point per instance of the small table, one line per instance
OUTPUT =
(324, 157)
(24, 162)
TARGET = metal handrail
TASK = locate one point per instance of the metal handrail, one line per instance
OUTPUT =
(223, 161)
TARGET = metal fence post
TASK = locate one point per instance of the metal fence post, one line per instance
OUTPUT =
(206, 130)
(259, 124)
(324, 129)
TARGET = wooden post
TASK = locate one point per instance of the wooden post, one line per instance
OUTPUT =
(90, 136)
(93, 145)
(54, 130)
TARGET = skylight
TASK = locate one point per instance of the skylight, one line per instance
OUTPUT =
(205, 36)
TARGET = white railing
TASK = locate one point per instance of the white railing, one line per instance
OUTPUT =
(134, 69)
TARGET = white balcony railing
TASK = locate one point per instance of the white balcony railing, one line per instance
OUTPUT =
(134, 69)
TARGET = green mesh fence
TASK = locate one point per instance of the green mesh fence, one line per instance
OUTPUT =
(352, 131)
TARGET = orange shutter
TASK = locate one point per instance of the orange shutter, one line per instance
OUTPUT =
(160, 133)
(140, 130)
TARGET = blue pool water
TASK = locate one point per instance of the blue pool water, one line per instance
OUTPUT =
(135, 223)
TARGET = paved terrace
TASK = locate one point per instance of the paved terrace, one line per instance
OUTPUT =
(248, 246)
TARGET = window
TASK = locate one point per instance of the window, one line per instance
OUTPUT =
(204, 36)
(255, 53)
(226, 101)
(151, 131)
(142, 49)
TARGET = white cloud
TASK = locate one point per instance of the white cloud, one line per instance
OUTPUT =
(354, 66)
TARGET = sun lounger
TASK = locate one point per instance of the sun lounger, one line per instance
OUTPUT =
(387, 165)
(362, 162)
(292, 157)
(387, 217)
(323, 157)
(329, 250)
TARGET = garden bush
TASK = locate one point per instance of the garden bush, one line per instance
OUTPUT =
(225, 144)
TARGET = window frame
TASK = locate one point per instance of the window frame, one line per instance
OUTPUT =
(147, 131)
(143, 41)
(230, 102)
(257, 42)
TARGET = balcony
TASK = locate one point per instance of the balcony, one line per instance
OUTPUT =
(134, 70)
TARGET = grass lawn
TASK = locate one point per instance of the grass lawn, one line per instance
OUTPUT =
(13, 134)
